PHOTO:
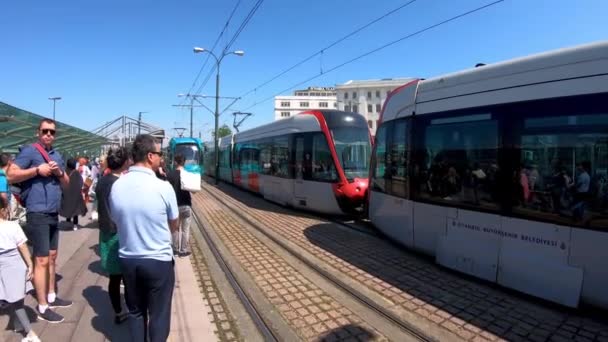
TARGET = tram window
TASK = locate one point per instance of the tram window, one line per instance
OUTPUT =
(323, 168)
(563, 171)
(280, 157)
(379, 160)
(190, 152)
(265, 147)
(397, 161)
(458, 161)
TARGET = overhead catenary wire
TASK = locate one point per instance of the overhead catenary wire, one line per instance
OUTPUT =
(217, 40)
(238, 32)
(378, 49)
(324, 49)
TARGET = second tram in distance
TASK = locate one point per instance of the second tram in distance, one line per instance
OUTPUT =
(501, 172)
(192, 151)
(316, 160)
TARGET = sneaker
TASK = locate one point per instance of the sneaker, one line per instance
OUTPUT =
(60, 303)
(121, 318)
(50, 316)
(75, 227)
(31, 337)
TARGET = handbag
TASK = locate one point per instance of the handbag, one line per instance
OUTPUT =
(190, 181)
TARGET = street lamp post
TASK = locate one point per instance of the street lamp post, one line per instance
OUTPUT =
(217, 101)
(54, 99)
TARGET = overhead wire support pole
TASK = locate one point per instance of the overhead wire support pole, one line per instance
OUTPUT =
(218, 61)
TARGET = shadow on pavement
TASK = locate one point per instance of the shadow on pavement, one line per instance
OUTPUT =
(31, 314)
(347, 333)
(103, 322)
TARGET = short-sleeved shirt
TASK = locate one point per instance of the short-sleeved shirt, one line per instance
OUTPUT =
(11, 236)
(41, 194)
(3, 182)
(140, 206)
(583, 181)
(102, 191)
(183, 197)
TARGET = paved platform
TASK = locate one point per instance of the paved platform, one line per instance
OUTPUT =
(412, 287)
(81, 279)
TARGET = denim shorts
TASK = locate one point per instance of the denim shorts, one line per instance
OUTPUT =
(42, 232)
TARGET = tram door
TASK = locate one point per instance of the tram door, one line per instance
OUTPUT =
(302, 171)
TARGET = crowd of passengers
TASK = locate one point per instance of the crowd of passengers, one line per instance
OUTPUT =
(143, 218)
(557, 191)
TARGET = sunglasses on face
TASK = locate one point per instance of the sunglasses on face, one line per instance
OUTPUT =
(47, 131)
(160, 154)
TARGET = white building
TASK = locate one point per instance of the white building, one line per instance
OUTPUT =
(367, 97)
(302, 100)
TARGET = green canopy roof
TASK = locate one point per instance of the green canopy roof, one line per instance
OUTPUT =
(18, 127)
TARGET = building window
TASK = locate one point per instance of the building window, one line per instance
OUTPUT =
(285, 104)
(304, 104)
(378, 108)
(369, 95)
(323, 105)
(377, 93)
(370, 123)
(354, 94)
(284, 114)
(345, 95)
(346, 108)
(335, 104)
(355, 108)
(369, 108)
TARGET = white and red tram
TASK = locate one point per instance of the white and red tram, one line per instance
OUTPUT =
(316, 160)
(501, 172)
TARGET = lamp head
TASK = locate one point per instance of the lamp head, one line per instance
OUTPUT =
(199, 49)
(239, 52)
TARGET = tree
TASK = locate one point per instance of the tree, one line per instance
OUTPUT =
(223, 131)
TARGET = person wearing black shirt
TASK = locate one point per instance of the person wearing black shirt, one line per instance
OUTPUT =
(184, 202)
(117, 161)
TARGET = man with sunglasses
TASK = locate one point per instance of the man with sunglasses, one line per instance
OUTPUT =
(144, 209)
(42, 181)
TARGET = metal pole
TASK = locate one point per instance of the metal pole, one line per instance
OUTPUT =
(191, 110)
(217, 119)
(54, 109)
(139, 124)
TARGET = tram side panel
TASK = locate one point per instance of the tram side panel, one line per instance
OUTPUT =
(495, 176)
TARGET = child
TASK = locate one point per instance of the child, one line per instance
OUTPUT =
(14, 274)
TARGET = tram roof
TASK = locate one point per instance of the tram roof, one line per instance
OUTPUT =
(18, 127)
(503, 82)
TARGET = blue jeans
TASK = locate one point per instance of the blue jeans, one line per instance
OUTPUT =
(149, 291)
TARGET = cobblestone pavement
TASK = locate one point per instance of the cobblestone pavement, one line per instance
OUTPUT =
(225, 327)
(312, 313)
(470, 309)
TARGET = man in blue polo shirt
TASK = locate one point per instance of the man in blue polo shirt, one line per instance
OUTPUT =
(144, 209)
(41, 186)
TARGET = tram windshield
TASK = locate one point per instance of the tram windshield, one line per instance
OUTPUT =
(190, 152)
(353, 149)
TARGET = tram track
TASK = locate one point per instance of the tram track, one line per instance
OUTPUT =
(253, 312)
(351, 292)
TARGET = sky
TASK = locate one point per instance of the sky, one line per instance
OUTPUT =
(119, 57)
